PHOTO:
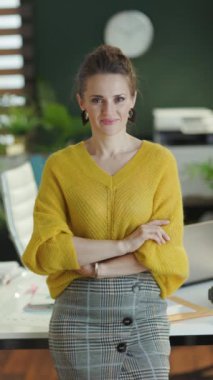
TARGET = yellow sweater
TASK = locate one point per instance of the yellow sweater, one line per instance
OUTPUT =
(78, 198)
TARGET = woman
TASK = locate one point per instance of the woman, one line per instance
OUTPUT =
(108, 226)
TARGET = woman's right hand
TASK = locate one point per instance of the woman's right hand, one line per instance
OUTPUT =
(149, 231)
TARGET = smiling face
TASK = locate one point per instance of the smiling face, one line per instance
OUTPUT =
(107, 100)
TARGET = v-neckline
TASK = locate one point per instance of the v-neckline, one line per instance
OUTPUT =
(93, 169)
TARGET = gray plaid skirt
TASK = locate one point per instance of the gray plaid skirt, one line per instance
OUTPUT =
(110, 329)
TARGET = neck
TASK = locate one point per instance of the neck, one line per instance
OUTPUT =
(109, 146)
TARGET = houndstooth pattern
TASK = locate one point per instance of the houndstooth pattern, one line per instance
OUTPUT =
(87, 325)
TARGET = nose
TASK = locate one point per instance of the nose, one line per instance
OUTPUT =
(107, 108)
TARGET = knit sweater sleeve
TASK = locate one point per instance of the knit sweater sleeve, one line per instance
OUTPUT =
(50, 248)
(167, 262)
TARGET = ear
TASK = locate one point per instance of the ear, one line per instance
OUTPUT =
(80, 101)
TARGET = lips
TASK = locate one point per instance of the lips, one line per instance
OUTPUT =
(108, 121)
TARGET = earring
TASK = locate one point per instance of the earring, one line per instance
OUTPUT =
(84, 117)
(132, 115)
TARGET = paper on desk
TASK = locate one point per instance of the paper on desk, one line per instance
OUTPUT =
(40, 300)
(174, 308)
(26, 321)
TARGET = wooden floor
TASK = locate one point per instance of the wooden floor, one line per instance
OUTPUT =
(187, 363)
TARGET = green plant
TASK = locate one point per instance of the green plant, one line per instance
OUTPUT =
(55, 129)
(204, 169)
(22, 119)
(46, 125)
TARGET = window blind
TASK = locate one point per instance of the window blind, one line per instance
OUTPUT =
(17, 71)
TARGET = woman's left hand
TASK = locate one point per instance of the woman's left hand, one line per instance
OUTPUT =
(87, 270)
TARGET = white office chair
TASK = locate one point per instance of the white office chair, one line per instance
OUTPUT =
(198, 242)
(19, 191)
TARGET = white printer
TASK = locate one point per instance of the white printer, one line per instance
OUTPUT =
(183, 126)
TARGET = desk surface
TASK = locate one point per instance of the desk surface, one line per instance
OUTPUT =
(25, 328)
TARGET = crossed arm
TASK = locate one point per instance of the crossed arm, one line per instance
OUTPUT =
(116, 257)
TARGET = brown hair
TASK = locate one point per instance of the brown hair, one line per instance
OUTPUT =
(105, 59)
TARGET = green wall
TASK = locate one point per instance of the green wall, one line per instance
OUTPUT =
(175, 72)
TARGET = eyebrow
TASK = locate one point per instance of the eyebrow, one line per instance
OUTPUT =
(97, 96)
(100, 96)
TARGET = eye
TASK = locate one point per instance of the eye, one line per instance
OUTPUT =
(96, 100)
(119, 99)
